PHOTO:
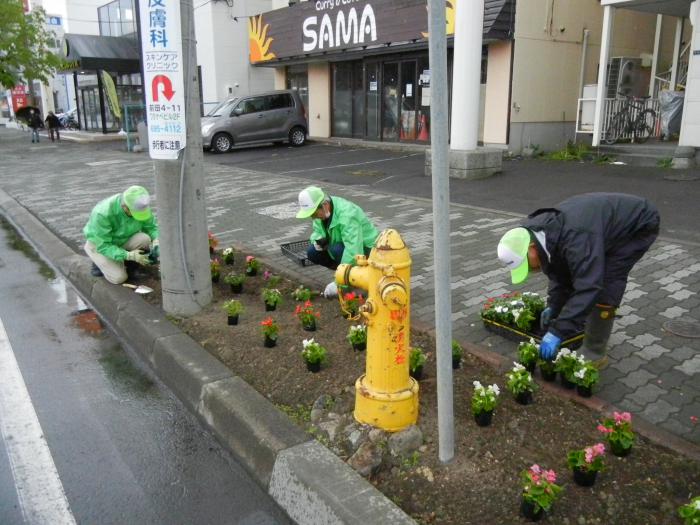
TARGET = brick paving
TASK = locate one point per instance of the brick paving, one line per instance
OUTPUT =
(652, 373)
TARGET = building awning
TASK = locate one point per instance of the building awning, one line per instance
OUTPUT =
(91, 52)
(679, 8)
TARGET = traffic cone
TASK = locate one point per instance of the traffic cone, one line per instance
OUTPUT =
(423, 136)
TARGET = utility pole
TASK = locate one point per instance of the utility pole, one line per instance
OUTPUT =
(175, 144)
(441, 225)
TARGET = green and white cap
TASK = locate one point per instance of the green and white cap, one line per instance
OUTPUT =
(512, 252)
(310, 199)
(138, 201)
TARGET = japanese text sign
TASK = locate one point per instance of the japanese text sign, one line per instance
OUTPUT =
(163, 77)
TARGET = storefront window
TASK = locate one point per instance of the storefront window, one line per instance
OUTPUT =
(342, 99)
(298, 80)
(390, 102)
(372, 87)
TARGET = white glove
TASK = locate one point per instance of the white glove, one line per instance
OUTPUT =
(138, 257)
(331, 291)
(318, 247)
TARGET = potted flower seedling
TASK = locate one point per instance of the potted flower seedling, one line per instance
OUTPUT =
(528, 352)
(301, 294)
(484, 400)
(515, 310)
(233, 309)
(352, 302)
(272, 297)
(519, 382)
(416, 360)
(228, 256)
(567, 363)
(270, 331)
(585, 378)
(272, 280)
(457, 353)
(547, 370)
(213, 243)
(357, 335)
(618, 431)
(215, 267)
(314, 354)
(539, 492)
(586, 464)
(691, 512)
(235, 281)
(307, 315)
(252, 265)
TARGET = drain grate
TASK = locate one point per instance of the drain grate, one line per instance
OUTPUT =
(689, 329)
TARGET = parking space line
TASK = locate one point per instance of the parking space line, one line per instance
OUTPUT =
(350, 165)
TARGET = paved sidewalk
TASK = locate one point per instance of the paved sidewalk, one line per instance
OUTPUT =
(653, 373)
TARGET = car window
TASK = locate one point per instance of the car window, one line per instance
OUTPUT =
(252, 105)
(222, 108)
(280, 101)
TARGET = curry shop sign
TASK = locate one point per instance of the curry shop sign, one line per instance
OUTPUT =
(313, 28)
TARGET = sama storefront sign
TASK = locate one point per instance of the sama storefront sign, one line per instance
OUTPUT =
(163, 77)
(315, 28)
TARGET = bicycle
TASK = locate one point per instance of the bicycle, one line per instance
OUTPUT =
(624, 121)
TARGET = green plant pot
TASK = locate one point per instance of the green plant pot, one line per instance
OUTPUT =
(233, 320)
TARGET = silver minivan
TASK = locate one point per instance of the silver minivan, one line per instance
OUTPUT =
(276, 116)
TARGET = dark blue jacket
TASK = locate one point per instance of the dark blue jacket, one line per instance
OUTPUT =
(583, 235)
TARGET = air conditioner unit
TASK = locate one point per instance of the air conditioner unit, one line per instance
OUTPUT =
(625, 77)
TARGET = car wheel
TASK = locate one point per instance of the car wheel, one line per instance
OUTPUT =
(297, 136)
(221, 143)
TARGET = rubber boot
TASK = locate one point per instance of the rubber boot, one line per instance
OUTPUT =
(599, 326)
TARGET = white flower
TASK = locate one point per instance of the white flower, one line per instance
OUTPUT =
(532, 341)
(697, 504)
(308, 342)
(228, 251)
(477, 385)
(494, 388)
(517, 367)
(514, 303)
(580, 373)
(516, 314)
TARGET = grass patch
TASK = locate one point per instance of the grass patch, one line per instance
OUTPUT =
(300, 414)
(666, 162)
(572, 152)
(17, 242)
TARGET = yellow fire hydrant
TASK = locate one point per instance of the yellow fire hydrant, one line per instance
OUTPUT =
(385, 396)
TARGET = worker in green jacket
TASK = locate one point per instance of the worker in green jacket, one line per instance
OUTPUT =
(122, 228)
(341, 230)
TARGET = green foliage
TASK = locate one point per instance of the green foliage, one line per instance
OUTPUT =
(300, 414)
(572, 152)
(411, 461)
(357, 334)
(516, 309)
(272, 296)
(604, 159)
(519, 380)
(457, 350)
(567, 363)
(301, 294)
(528, 352)
(25, 45)
(233, 307)
(587, 375)
(539, 488)
(666, 162)
(313, 352)
(618, 430)
(234, 279)
(590, 459)
(416, 359)
(691, 512)
(484, 399)
(228, 255)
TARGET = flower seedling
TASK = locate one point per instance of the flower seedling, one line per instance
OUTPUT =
(213, 242)
(519, 380)
(357, 335)
(567, 363)
(306, 314)
(352, 302)
(233, 308)
(457, 352)
(228, 255)
(691, 512)
(313, 352)
(587, 375)
(484, 399)
(521, 310)
(270, 329)
(539, 487)
(618, 431)
(589, 459)
(301, 294)
(215, 268)
(234, 279)
(272, 280)
(252, 265)
(272, 296)
(528, 352)
(416, 359)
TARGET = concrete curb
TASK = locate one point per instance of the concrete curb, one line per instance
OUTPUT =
(308, 481)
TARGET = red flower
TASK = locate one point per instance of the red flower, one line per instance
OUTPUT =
(267, 322)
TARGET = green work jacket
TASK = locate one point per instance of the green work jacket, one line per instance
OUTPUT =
(109, 228)
(350, 226)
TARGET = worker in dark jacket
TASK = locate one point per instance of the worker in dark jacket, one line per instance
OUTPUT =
(35, 123)
(54, 125)
(586, 246)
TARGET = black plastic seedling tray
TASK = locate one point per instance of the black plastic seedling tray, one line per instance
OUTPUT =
(516, 334)
(296, 251)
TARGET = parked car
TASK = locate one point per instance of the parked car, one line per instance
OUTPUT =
(276, 116)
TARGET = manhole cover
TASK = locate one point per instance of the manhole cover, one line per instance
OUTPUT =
(681, 177)
(689, 329)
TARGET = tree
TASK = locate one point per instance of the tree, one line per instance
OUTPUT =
(24, 45)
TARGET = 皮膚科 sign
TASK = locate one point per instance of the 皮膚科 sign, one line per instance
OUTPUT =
(161, 45)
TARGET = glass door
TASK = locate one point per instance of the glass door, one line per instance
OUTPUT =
(408, 101)
(342, 99)
(91, 109)
(390, 101)
(358, 101)
(373, 102)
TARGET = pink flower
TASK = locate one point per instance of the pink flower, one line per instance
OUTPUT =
(550, 476)
(249, 258)
(267, 274)
(535, 478)
(624, 417)
(535, 469)
(599, 449)
(694, 419)
(604, 429)
(589, 454)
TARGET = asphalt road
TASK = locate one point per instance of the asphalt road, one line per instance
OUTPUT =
(524, 185)
(88, 438)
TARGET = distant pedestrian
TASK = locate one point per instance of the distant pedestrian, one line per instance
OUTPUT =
(341, 230)
(586, 246)
(121, 228)
(54, 125)
(35, 123)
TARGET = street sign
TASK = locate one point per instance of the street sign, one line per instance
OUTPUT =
(161, 45)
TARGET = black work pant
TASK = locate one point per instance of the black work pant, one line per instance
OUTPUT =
(51, 132)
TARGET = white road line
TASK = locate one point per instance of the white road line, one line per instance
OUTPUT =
(350, 165)
(106, 162)
(39, 489)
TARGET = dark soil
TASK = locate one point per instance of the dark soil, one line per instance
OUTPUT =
(482, 484)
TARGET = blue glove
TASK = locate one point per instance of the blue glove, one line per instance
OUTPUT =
(549, 346)
(546, 317)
